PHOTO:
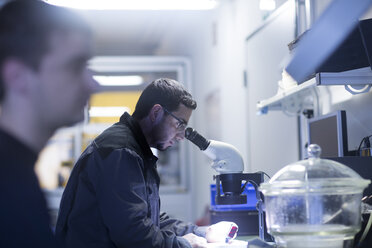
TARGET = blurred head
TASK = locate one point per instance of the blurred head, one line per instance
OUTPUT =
(168, 106)
(43, 54)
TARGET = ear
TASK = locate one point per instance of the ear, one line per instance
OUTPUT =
(15, 75)
(156, 113)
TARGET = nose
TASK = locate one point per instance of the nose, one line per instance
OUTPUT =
(180, 136)
(91, 84)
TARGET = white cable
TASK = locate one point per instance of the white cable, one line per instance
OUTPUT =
(366, 229)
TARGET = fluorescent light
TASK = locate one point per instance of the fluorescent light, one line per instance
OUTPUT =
(107, 111)
(118, 80)
(267, 4)
(136, 4)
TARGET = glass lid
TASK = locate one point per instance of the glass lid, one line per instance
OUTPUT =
(315, 175)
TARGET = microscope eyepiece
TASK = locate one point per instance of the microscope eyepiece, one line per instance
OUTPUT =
(196, 138)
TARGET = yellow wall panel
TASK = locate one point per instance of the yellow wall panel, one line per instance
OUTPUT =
(126, 99)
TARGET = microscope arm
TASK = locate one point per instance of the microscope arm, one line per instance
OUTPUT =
(226, 158)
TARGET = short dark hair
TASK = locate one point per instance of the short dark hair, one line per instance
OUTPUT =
(26, 27)
(164, 91)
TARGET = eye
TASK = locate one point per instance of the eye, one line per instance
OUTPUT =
(78, 68)
(181, 125)
(78, 65)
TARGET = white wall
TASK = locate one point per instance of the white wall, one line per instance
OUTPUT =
(272, 137)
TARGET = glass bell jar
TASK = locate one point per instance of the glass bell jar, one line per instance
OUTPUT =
(313, 203)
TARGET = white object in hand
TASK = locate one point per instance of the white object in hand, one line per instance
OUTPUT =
(223, 231)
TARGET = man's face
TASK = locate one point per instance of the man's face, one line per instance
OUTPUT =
(62, 83)
(167, 132)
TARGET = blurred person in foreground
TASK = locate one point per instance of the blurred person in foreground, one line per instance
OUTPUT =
(112, 196)
(44, 85)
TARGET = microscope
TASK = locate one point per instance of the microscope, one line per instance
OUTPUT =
(228, 162)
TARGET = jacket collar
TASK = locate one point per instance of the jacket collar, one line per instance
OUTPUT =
(139, 136)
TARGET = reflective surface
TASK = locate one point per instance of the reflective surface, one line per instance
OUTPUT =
(315, 202)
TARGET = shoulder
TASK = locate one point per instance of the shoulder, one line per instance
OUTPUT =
(103, 158)
(118, 136)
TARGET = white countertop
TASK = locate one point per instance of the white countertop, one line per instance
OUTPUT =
(233, 244)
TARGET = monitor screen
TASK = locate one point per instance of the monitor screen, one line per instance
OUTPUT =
(330, 133)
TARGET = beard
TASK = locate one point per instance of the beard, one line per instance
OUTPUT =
(161, 147)
(159, 136)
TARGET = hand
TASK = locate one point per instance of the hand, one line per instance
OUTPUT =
(220, 231)
(195, 241)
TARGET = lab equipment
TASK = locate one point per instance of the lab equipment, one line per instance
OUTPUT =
(314, 203)
(329, 132)
(244, 215)
(226, 158)
(229, 163)
(366, 149)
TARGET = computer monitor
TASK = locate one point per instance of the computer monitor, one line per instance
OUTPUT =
(330, 133)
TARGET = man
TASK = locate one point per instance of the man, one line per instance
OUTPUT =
(44, 85)
(112, 197)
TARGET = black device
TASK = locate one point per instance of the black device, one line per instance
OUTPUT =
(233, 194)
(330, 133)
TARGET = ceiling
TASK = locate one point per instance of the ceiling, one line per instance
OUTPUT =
(138, 32)
(143, 32)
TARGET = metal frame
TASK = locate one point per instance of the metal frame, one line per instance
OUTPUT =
(342, 144)
(122, 64)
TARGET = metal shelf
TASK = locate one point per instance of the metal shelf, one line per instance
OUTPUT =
(362, 76)
(295, 99)
(289, 99)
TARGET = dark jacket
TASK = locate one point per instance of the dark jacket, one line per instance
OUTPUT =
(24, 219)
(112, 197)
